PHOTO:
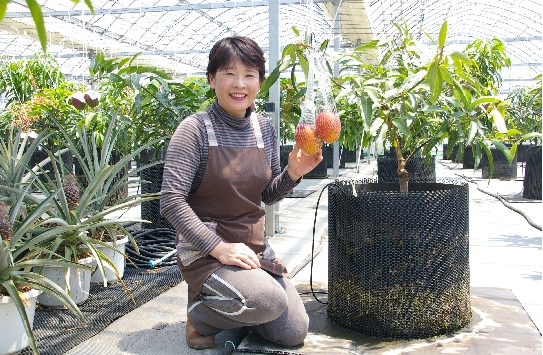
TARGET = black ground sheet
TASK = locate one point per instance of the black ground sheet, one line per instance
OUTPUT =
(58, 330)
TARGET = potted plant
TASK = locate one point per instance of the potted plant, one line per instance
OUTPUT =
(91, 205)
(19, 285)
(523, 108)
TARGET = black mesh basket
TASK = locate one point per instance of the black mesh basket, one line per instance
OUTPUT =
(399, 263)
(502, 169)
(150, 210)
(532, 174)
(418, 170)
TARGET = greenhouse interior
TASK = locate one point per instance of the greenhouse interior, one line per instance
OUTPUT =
(377, 162)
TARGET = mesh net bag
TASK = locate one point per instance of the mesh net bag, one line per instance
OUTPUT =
(399, 263)
(319, 120)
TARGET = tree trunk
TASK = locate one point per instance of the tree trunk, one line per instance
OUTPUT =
(402, 172)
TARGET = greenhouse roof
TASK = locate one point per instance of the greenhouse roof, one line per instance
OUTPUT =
(177, 35)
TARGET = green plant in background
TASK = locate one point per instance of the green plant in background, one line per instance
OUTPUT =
(20, 240)
(291, 96)
(490, 57)
(21, 78)
(523, 107)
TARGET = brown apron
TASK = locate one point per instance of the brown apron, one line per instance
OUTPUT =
(228, 201)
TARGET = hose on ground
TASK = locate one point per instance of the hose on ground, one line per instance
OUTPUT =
(156, 247)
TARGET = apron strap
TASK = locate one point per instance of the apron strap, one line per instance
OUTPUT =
(211, 132)
(258, 132)
(212, 139)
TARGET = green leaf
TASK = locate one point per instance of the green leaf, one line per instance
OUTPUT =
(89, 5)
(442, 34)
(366, 111)
(499, 122)
(485, 99)
(376, 125)
(3, 7)
(402, 126)
(508, 155)
(457, 56)
(35, 10)
(374, 96)
(295, 30)
(472, 131)
(434, 81)
(412, 81)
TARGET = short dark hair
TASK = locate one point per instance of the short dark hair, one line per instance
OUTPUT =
(228, 49)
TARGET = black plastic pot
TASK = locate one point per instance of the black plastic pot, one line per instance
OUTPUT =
(418, 170)
(150, 210)
(522, 149)
(328, 152)
(468, 161)
(502, 169)
(399, 263)
(532, 174)
(284, 151)
(41, 154)
(453, 152)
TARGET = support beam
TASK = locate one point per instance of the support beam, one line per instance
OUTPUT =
(337, 41)
(139, 10)
(272, 215)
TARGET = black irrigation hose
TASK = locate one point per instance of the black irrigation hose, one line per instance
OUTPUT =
(156, 246)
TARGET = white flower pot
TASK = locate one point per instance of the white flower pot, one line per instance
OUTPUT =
(79, 282)
(118, 260)
(13, 337)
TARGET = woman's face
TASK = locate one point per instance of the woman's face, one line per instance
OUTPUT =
(236, 87)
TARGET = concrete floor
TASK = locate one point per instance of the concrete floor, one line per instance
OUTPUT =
(505, 260)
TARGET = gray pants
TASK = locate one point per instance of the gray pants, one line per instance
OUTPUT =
(233, 297)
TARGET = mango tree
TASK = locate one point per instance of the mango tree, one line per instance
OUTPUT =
(411, 101)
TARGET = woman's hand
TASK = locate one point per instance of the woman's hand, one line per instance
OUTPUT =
(299, 163)
(237, 254)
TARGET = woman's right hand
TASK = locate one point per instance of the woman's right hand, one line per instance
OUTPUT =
(237, 254)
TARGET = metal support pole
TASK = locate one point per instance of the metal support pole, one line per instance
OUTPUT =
(337, 44)
(272, 215)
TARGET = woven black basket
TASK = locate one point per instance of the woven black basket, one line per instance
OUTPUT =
(502, 169)
(320, 171)
(522, 149)
(150, 210)
(468, 160)
(532, 174)
(399, 264)
(418, 170)
(328, 151)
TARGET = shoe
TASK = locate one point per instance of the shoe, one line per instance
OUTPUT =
(197, 341)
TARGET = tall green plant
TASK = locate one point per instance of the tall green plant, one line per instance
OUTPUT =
(490, 57)
(21, 78)
(523, 107)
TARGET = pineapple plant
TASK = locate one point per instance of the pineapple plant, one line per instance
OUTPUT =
(6, 227)
(71, 190)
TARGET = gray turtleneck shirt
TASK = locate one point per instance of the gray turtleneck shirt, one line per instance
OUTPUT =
(186, 161)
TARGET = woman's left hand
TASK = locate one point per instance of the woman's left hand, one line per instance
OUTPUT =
(299, 163)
